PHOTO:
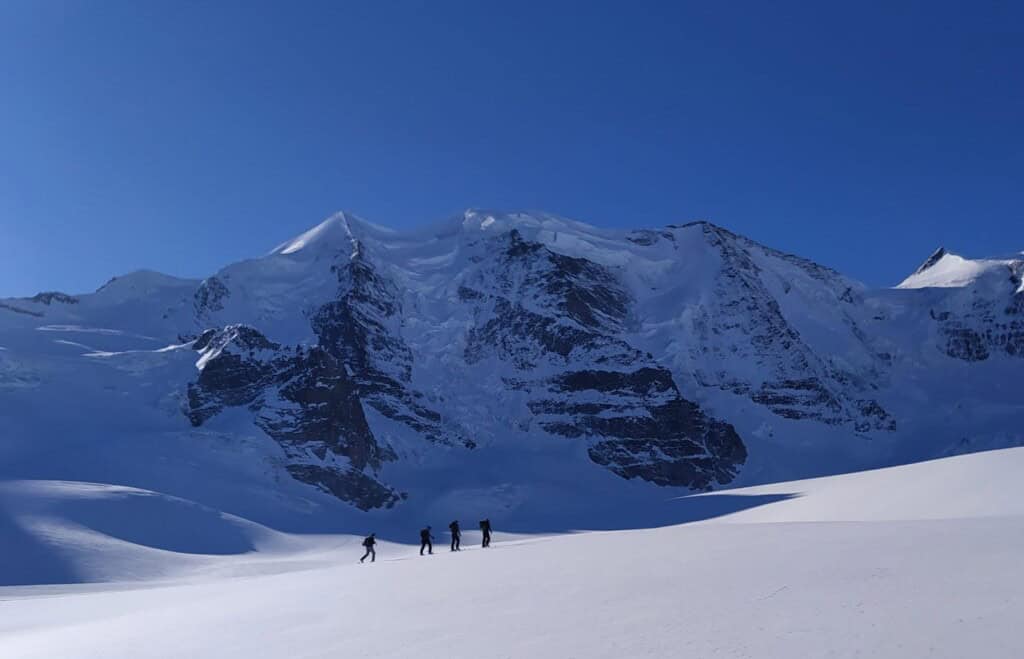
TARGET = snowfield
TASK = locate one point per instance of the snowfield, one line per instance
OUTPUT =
(923, 560)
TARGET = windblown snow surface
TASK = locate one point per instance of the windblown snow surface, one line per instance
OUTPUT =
(913, 561)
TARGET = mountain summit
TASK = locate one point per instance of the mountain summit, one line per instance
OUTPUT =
(505, 360)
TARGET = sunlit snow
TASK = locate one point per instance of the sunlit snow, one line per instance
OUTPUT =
(913, 561)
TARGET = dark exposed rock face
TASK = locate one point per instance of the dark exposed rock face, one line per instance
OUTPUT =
(989, 326)
(964, 343)
(239, 366)
(209, 297)
(310, 399)
(347, 484)
(553, 311)
(49, 297)
(1003, 335)
(362, 329)
(302, 398)
(645, 428)
(931, 260)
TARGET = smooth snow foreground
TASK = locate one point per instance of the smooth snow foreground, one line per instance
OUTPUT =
(925, 560)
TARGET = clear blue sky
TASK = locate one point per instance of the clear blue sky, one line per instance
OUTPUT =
(181, 136)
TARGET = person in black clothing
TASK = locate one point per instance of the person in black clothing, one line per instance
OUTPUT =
(485, 526)
(369, 542)
(426, 541)
(456, 535)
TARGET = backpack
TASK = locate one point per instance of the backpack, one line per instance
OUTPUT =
(368, 542)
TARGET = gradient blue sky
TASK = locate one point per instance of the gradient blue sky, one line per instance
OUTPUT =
(180, 136)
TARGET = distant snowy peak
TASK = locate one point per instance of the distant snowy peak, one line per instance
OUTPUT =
(335, 233)
(944, 269)
(447, 244)
(976, 305)
(140, 284)
(345, 235)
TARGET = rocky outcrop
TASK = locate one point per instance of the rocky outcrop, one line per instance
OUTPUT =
(935, 257)
(641, 427)
(51, 297)
(311, 399)
(209, 297)
(363, 330)
(973, 327)
(552, 312)
(304, 399)
(976, 338)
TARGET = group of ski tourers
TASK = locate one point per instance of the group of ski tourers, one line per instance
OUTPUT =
(427, 539)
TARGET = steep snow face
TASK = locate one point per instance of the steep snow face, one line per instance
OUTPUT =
(338, 232)
(518, 356)
(331, 235)
(782, 331)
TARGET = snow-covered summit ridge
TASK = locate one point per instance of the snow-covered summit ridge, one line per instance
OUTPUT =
(686, 355)
(607, 246)
(943, 269)
(446, 244)
(336, 232)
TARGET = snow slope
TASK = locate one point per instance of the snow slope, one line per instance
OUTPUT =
(913, 561)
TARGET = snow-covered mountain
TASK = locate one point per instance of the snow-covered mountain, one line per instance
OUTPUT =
(979, 307)
(518, 362)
